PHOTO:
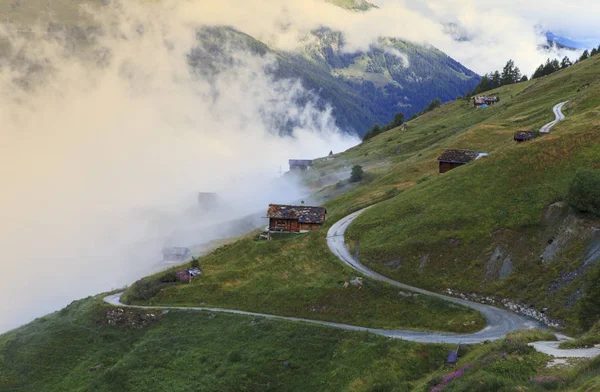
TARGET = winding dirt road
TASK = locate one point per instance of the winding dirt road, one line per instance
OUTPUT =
(499, 321)
(557, 109)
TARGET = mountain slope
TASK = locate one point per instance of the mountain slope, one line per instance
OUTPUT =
(500, 226)
(457, 217)
(396, 75)
(361, 88)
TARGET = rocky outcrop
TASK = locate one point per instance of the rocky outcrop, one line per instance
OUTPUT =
(499, 265)
(133, 318)
(515, 306)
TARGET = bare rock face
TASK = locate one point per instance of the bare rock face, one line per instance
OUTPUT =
(550, 251)
(592, 251)
(499, 265)
(493, 264)
(507, 268)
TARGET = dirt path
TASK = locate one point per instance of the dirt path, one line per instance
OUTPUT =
(559, 117)
(500, 321)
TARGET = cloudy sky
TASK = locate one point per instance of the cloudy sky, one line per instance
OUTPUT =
(497, 30)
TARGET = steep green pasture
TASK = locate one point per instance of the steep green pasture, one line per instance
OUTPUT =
(298, 276)
(76, 349)
(446, 228)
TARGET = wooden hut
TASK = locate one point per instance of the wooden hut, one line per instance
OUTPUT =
(523, 136)
(483, 100)
(286, 218)
(300, 164)
(451, 159)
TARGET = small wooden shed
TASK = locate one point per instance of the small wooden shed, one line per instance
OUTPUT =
(300, 164)
(523, 136)
(483, 100)
(286, 218)
(451, 159)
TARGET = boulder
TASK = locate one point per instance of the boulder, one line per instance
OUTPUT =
(356, 282)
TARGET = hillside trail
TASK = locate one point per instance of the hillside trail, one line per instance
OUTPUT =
(557, 109)
(499, 321)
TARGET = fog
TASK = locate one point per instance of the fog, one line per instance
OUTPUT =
(104, 149)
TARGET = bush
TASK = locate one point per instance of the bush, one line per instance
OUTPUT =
(588, 308)
(143, 291)
(584, 191)
(169, 277)
(357, 174)
(195, 263)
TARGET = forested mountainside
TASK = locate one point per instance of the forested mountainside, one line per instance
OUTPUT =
(362, 88)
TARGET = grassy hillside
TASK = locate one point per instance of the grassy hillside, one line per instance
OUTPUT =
(458, 230)
(92, 347)
(298, 276)
(455, 230)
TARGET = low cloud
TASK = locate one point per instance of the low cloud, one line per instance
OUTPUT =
(496, 30)
(104, 150)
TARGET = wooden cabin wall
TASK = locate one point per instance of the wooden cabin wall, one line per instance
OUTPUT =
(447, 166)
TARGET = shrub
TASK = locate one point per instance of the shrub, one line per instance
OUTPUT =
(357, 174)
(143, 291)
(169, 277)
(195, 263)
(584, 191)
(588, 308)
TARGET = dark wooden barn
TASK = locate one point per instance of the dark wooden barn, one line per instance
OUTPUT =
(300, 164)
(451, 159)
(523, 136)
(285, 218)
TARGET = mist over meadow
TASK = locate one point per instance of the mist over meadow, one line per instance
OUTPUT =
(105, 147)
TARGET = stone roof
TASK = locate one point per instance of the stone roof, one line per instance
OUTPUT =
(483, 99)
(304, 214)
(458, 156)
(524, 135)
(300, 162)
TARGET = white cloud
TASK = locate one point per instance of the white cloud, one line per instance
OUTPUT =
(98, 163)
(499, 30)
